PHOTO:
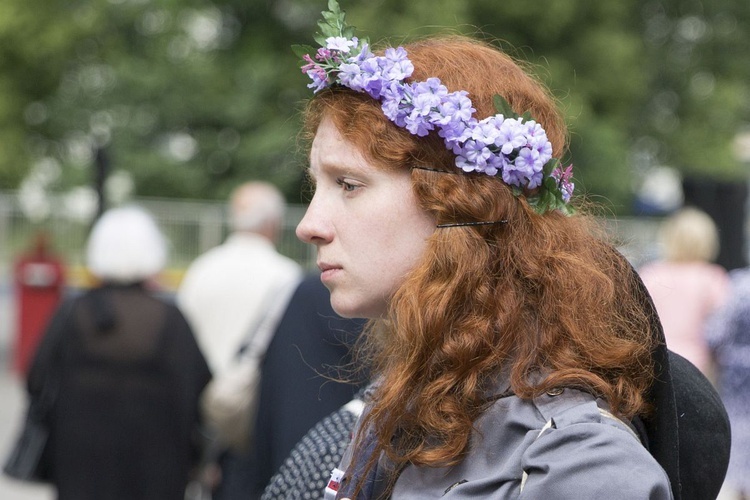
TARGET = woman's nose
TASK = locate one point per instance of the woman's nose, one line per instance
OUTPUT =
(314, 228)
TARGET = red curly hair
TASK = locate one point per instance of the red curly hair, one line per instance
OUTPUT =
(541, 295)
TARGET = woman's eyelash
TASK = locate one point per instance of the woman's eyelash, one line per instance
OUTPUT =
(346, 185)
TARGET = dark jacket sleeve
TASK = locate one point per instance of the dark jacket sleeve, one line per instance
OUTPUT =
(49, 352)
(187, 357)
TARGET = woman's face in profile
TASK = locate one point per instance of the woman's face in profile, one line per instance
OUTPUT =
(365, 222)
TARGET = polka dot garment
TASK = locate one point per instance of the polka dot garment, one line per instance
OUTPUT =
(304, 475)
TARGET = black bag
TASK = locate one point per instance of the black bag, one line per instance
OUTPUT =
(25, 461)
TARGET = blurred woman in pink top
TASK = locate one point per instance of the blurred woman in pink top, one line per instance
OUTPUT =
(687, 287)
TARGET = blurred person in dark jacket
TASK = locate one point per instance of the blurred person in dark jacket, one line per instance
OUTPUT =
(306, 375)
(128, 374)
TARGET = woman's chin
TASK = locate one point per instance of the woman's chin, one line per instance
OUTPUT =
(347, 308)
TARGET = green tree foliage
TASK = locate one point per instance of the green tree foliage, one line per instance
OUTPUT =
(190, 97)
(699, 91)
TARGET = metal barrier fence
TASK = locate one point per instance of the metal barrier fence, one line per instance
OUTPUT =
(192, 227)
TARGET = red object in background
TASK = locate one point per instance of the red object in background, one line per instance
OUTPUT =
(39, 281)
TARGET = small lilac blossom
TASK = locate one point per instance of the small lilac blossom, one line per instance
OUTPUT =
(457, 133)
(395, 103)
(319, 79)
(417, 125)
(424, 101)
(563, 178)
(537, 139)
(453, 134)
(524, 170)
(473, 157)
(453, 112)
(350, 75)
(485, 131)
(323, 54)
(370, 67)
(399, 66)
(462, 106)
(364, 53)
(495, 163)
(372, 81)
(374, 87)
(310, 63)
(510, 135)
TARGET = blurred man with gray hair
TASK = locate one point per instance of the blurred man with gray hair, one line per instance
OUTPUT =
(226, 290)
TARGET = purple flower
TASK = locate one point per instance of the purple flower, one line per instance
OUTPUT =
(461, 106)
(515, 149)
(495, 164)
(395, 103)
(454, 134)
(454, 109)
(473, 156)
(319, 79)
(537, 140)
(372, 79)
(323, 54)
(485, 131)
(563, 178)
(417, 124)
(511, 135)
(350, 75)
(525, 170)
(396, 66)
(310, 63)
(424, 100)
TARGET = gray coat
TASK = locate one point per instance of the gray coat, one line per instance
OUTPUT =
(558, 446)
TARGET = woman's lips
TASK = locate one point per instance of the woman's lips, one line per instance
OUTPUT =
(328, 272)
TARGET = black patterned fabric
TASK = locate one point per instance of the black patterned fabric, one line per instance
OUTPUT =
(304, 475)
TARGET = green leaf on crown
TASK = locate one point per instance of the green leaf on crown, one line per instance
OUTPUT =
(550, 166)
(503, 107)
(303, 50)
(333, 24)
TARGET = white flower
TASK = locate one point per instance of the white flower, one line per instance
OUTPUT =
(340, 43)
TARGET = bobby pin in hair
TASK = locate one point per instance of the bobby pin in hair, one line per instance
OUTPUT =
(434, 170)
(460, 224)
(483, 223)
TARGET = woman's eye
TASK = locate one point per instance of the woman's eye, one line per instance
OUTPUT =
(345, 185)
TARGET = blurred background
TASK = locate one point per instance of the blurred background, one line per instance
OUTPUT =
(172, 103)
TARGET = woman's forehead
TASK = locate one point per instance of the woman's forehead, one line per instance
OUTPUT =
(330, 151)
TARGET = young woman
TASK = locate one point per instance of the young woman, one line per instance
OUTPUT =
(511, 348)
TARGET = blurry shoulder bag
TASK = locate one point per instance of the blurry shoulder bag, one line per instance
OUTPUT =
(26, 460)
(229, 402)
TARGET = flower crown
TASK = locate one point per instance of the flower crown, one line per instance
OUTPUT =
(516, 147)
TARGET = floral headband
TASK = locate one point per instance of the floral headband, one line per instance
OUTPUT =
(515, 147)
